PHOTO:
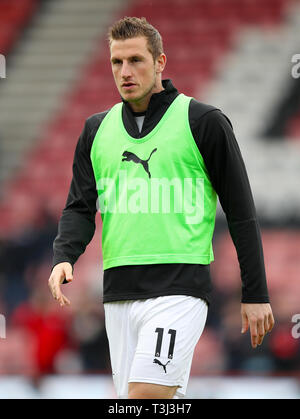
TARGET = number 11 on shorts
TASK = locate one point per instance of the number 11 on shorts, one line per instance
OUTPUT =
(160, 332)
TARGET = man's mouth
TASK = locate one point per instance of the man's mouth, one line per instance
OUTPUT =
(128, 85)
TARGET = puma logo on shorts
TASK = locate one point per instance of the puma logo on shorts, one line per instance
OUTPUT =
(157, 361)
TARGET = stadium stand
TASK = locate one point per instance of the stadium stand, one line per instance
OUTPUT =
(15, 15)
(43, 67)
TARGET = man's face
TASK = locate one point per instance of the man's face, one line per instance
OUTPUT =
(134, 69)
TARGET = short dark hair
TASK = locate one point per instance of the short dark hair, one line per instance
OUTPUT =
(131, 27)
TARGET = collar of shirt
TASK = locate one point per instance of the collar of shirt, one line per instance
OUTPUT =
(158, 105)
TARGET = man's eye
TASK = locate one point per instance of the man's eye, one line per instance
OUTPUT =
(136, 59)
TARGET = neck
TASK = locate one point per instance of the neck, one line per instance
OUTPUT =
(142, 104)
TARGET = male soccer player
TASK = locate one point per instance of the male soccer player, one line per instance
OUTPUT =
(154, 164)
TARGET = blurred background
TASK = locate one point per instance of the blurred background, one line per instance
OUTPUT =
(234, 54)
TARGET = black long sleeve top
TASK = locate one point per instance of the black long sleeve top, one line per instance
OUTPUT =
(214, 136)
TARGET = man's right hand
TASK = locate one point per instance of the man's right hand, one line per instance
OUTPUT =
(61, 271)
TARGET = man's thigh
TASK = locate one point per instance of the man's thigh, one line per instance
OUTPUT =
(122, 338)
(169, 329)
(150, 391)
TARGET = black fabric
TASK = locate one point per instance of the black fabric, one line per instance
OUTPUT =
(146, 281)
(222, 157)
(76, 227)
(215, 139)
(158, 105)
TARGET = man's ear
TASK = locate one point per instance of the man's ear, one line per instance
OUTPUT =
(161, 63)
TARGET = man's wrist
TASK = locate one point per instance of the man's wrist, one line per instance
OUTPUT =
(62, 261)
(255, 299)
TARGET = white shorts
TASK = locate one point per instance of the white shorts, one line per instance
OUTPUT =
(153, 340)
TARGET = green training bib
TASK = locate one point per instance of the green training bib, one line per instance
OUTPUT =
(156, 201)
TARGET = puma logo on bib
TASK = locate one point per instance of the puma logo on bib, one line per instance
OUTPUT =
(129, 156)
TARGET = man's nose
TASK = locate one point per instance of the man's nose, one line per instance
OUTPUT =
(125, 71)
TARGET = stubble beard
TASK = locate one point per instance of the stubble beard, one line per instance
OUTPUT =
(144, 94)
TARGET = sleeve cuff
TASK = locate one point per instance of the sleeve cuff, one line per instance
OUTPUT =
(61, 261)
(256, 300)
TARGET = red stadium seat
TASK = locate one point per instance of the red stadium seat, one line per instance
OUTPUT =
(14, 16)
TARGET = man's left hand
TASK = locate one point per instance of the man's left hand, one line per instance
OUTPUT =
(260, 319)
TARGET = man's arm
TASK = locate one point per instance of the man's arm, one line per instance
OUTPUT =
(218, 146)
(77, 224)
